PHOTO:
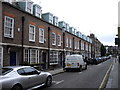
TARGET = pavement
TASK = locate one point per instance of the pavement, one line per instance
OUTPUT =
(112, 77)
(56, 71)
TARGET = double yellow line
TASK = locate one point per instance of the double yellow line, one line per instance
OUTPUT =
(105, 78)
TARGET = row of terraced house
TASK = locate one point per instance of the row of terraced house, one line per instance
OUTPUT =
(29, 37)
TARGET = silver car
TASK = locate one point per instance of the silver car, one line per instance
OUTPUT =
(23, 77)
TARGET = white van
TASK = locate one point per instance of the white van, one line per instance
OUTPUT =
(75, 61)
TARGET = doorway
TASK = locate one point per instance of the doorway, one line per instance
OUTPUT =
(44, 60)
(12, 58)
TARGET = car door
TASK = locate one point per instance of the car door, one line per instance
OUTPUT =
(35, 78)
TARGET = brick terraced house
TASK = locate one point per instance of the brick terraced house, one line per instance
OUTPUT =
(29, 37)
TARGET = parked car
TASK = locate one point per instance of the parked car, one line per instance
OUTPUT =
(75, 61)
(23, 77)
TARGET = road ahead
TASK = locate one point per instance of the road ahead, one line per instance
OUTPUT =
(90, 78)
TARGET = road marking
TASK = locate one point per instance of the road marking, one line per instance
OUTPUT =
(80, 72)
(57, 82)
(101, 85)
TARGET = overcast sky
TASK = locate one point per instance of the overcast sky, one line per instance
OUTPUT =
(87, 16)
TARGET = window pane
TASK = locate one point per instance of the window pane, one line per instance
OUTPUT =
(8, 27)
(41, 35)
(32, 33)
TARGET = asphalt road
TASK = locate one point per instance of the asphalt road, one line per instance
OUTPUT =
(90, 78)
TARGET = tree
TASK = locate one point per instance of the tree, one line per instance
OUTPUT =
(103, 50)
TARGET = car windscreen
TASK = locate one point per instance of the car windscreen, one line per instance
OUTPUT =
(72, 58)
(4, 71)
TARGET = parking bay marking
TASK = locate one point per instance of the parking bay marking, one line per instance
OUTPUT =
(58, 82)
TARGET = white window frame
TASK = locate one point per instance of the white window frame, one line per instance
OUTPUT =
(27, 55)
(66, 41)
(1, 58)
(30, 58)
(75, 44)
(70, 43)
(78, 45)
(31, 11)
(7, 25)
(59, 40)
(41, 35)
(53, 57)
(31, 33)
(38, 13)
(53, 38)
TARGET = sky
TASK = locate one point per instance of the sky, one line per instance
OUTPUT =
(99, 17)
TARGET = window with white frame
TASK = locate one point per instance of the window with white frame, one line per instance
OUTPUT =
(53, 38)
(9, 27)
(59, 40)
(66, 41)
(78, 45)
(53, 57)
(75, 44)
(31, 56)
(31, 32)
(29, 7)
(41, 35)
(70, 43)
(1, 56)
(51, 18)
(38, 11)
(82, 45)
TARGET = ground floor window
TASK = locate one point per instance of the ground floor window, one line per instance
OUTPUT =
(31, 56)
(1, 56)
(53, 57)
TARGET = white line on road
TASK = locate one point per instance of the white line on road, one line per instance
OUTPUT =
(59, 82)
(80, 72)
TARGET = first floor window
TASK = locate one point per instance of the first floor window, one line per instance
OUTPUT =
(67, 42)
(75, 44)
(59, 40)
(41, 35)
(53, 57)
(70, 43)
(78, 45)
(31, 56)
(8, 27)
(1, 56)
(53, 38)
(31, 32)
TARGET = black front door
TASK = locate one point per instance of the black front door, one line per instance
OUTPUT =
(44, 60)
(12, 58)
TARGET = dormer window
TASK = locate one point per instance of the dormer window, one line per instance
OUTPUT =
(29, 7)
(37, 10)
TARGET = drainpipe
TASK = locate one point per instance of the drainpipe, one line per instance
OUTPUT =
(73, 45)
(63, 49)
(23, 20)
(48, 47)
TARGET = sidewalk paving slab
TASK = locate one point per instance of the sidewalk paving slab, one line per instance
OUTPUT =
(113, 76)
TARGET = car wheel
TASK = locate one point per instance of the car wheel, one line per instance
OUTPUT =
(17, 87)
(49, 81)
